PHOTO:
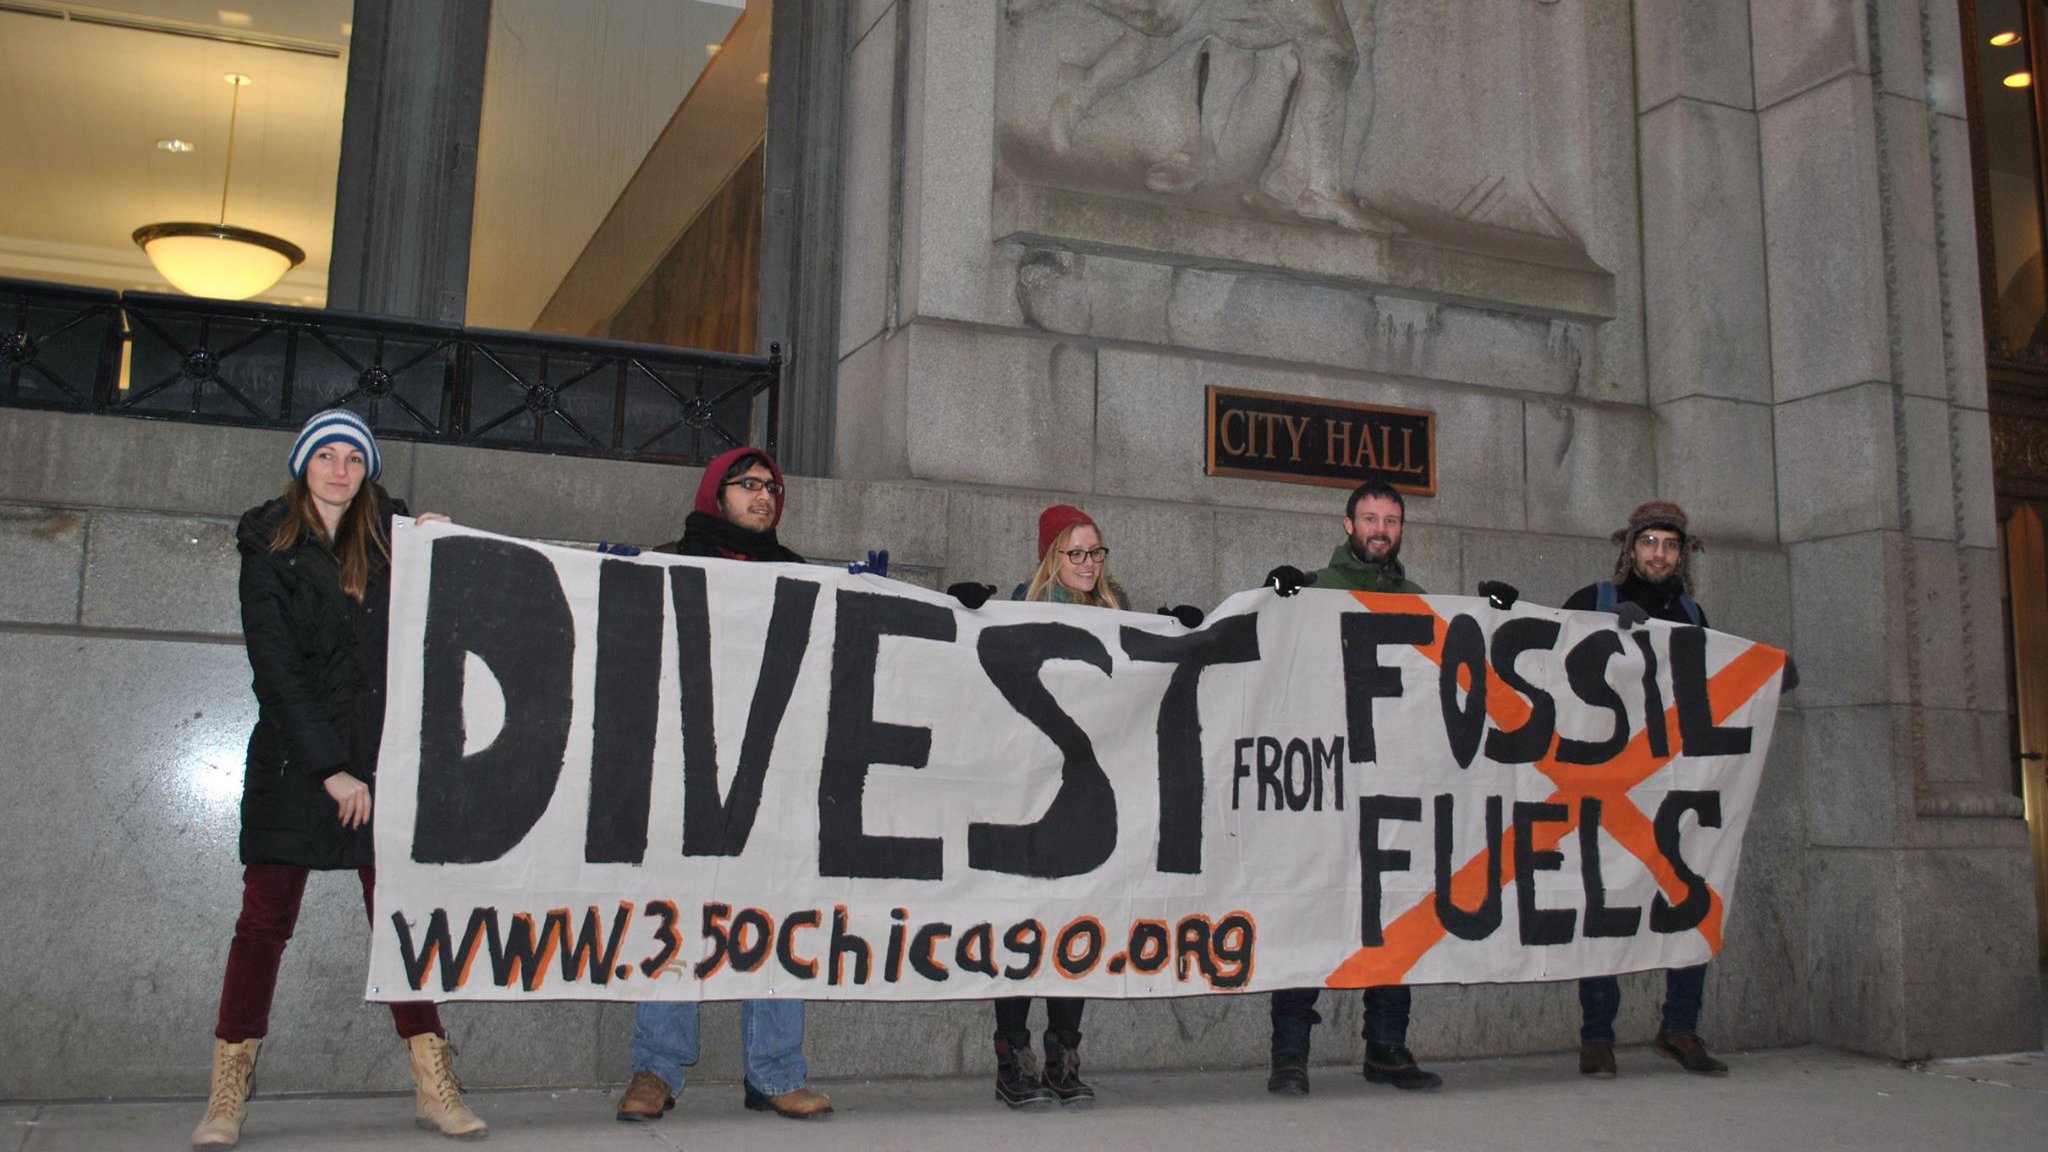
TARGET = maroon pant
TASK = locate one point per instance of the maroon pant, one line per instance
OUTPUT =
(270, 910)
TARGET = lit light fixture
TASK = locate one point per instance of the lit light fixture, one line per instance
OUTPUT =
(234, 19)
(712, 49)
(764, 77)
(2020, 80)
(220, 261)
(2005, 39)
(173, 144)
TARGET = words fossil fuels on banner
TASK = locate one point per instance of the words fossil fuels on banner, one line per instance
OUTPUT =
(661, 778)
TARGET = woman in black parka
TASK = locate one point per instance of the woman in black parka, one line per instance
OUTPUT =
(316, 565)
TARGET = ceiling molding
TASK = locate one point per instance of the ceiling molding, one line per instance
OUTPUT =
(140, 22)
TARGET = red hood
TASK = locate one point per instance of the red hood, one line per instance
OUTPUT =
(714, 473)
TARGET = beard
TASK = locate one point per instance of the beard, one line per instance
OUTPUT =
(1365, 552)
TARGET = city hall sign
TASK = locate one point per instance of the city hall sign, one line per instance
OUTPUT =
(1303, 440)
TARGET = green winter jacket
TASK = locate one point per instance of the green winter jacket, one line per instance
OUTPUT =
(1348, 573)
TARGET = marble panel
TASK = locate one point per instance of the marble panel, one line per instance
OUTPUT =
(162, 574)
(1705, 297)
(1824, 223)
(989, 408)
(42, 550)
(1838, 463)
(1697, 50)
(1587, 466)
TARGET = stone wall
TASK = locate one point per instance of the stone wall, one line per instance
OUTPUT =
(1714, 250)
(129, 706)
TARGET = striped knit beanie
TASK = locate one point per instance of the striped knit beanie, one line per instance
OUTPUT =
(334, 426)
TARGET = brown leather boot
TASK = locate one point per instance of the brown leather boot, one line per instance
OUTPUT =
(797, 1104)
(227, 1105)
(437, 1101)
(646, 1098)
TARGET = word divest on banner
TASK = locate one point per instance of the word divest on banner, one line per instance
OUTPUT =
(651, 777)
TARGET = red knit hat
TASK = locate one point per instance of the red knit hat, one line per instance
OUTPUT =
(711, 483)
(1055, 520)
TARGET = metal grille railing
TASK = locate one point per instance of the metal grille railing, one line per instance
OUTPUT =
(264, 366)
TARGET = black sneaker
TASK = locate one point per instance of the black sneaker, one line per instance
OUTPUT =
(1063, 1074)
(1289, 1076)
(1690, 1052)
(1394, 1064)
(1596, 1059)
(1017, 1082)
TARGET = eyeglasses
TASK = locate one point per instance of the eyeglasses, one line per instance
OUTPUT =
(755, 484)
(1077, 555)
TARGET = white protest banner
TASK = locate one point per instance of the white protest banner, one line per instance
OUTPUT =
(664, 778)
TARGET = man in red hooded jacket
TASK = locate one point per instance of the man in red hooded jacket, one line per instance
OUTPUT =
(739, 503)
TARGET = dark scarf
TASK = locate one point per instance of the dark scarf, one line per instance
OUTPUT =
(708, 535)
(1659, 598)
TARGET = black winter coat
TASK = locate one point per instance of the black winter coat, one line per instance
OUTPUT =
(318, 659)
(1659, 600)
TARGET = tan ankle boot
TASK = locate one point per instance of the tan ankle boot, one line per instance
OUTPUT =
(234, 1068)
(437, 1096)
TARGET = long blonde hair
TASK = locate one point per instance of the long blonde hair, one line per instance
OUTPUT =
(1103, 595)
(358, 541)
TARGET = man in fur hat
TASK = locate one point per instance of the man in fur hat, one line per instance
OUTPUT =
(1652, 581)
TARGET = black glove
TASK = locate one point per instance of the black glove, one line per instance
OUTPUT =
(1188, 615)
(971, 596)
(1500, 593)
(1630, 614)
(1286, 580)
(1791, 674)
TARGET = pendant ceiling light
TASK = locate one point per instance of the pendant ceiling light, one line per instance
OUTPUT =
(220, 260)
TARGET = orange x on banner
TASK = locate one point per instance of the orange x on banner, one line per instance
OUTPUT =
(1416, 931)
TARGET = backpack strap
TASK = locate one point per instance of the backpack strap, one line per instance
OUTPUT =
(1692, 608)
(1603, 596)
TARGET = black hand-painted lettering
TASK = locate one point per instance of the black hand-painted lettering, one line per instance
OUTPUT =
(1482, 921)
(855, 740)
(1078, 830)
(502, 602)
(1374, 860)
(1585, 669)
(1362, 635)
(1464, 651)
(1691, 911)
(629, 699)
(1601, 920)
(1697, 731)
(1530, 742)
(1540, 926)
(1653, 700)
(1230, 640)
(715, 825)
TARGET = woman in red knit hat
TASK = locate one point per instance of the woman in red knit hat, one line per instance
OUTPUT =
(1073, 568)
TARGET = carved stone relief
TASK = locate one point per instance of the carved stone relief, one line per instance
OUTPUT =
(1465, 124)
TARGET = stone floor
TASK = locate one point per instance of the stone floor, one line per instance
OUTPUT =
(1809, 1099)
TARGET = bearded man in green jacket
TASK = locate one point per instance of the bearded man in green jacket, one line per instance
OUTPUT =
(1369, 560)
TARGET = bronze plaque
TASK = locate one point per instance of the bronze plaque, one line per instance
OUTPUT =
(1302, 440)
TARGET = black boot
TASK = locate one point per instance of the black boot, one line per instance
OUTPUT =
(1394, 1064)
(1690, 1052)
(1063, 1069)
(1289, 1076)
(1017, 1082)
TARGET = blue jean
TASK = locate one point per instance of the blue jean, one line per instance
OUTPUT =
(771, 1042)
(1294, 1013)
(1600, 1001)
